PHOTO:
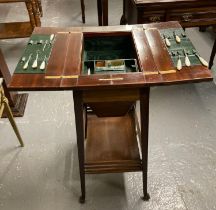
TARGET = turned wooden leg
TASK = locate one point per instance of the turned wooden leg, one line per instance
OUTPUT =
(144, 120)
(102, 7)
(83, 10)
(36, 13)
(78, 109)
(31, 14)
(123, 20)
(11, 119)
(38, 2)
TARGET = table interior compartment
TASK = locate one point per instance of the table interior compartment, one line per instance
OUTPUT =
(102, 53)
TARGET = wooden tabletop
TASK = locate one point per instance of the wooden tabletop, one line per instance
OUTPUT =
(154, 62)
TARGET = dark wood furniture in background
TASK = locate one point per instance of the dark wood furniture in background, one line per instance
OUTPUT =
(22, 29)
(102, 6)
(17, 101)
(102, 10)
(10, 30)
(83, 10)
(111, 143)
(189, 13)
(212, 55)
(39, 6)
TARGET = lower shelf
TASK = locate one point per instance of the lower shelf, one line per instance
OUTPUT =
(111, 145)
(15, 30)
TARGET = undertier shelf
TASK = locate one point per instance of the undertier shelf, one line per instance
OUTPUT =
(111, 145)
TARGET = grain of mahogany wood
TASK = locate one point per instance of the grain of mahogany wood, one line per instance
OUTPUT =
(129, 80)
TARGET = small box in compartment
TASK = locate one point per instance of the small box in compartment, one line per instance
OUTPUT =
(109, 54)
(110, 65)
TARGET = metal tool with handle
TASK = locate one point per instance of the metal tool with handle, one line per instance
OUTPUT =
(179, 63)
(43, 64)
(35, 63)
(167, 42)
(187, 60)
(52, 37)
(177, 38)
(23, 59)
(25, 66)
(202, 60)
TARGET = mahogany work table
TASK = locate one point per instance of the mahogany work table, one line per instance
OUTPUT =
(107, 127)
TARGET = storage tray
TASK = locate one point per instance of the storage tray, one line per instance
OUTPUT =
(109, 54)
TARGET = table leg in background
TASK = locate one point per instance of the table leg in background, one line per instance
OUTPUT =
(212, 55)
(78, 109)
(105, 12)
(144, 120)
(102, 7)
(99, 9)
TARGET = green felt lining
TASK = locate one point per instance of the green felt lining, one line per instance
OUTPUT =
(109, 48)
(179, 47)
(33, 49)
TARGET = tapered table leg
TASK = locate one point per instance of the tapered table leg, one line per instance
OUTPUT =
(212, 55)
(102, 7)
(83, 10)
(99, 9)
(78, 109)
(105, 12)
(144, 120)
